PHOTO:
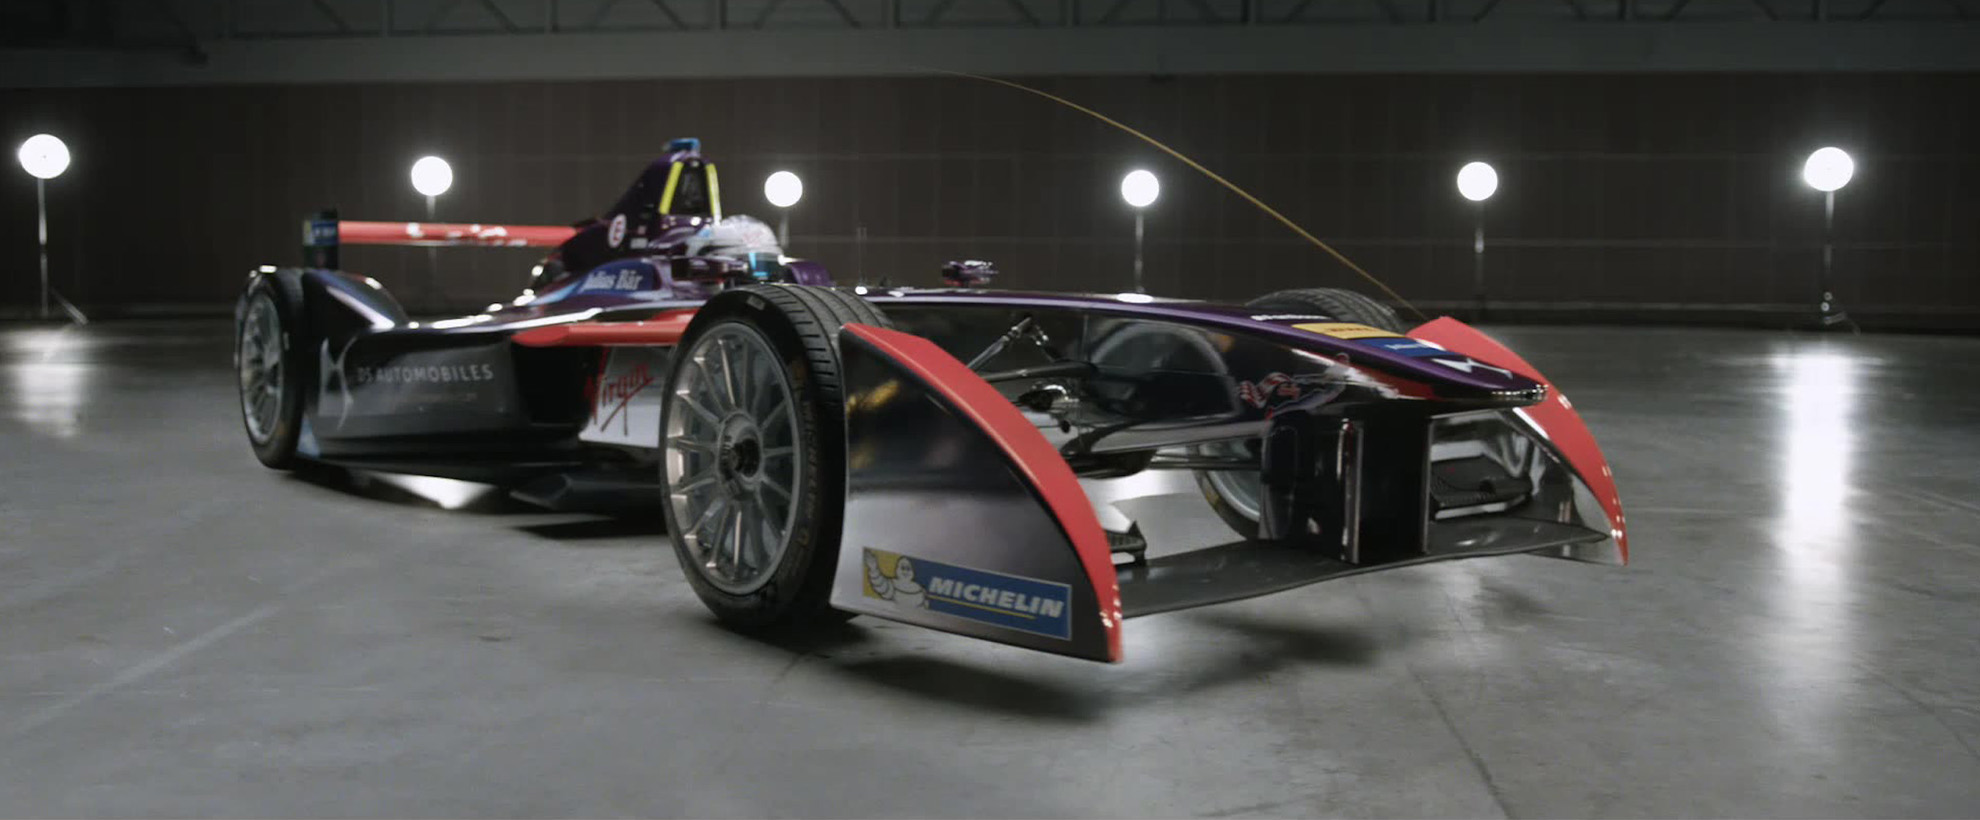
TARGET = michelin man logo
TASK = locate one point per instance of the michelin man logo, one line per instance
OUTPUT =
(898, 585)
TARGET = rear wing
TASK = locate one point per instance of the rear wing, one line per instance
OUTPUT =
(324, 233)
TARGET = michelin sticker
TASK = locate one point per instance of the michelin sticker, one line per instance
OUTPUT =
(1008, 601)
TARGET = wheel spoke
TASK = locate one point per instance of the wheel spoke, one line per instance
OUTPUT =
(754, 388)
(744, 380)
(704, 383)
(771, 483)
(769, 539)
(691, 445)
(735, 548)
(714, 508)
(773, 513)
(697, 481)
(783, 408)
(748, 555)
(728, 373)
(707, 415)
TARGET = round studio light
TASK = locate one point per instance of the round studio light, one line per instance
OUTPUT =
(1828, 169)
(1140, 188)
(783, 189)
(44, 156)
(432, 176)
(1477, 181)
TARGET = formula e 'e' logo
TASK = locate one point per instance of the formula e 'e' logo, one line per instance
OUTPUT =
(617, 233)
(1467, 365)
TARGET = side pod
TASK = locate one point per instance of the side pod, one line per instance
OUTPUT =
(960, 516)
(1555, 418)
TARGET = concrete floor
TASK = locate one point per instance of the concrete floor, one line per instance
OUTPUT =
(183, 632)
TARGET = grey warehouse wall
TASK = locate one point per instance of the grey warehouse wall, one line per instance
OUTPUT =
(1625, 196)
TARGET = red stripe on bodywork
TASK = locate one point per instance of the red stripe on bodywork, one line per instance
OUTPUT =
(1555, 416)
(452, 233)
(665, 329)
(1035, 458)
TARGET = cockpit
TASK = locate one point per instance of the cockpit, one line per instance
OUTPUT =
(674, 209)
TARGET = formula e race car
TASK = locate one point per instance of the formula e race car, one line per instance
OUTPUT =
(917, 454)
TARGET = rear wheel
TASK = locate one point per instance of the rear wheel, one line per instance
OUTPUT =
(753, 445)
(270, 377)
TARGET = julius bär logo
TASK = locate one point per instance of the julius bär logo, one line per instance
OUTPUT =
(625, 280)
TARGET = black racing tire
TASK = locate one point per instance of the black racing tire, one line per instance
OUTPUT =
(708, 458)
(1339, 304)
(1231, 492)
(270, 351)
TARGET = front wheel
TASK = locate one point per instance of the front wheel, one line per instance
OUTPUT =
(1235, 495)
(1338, 304)
(753, 444)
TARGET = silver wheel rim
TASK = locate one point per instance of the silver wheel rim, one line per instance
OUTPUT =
(732, 457)
(261, 368)
(1239, 489)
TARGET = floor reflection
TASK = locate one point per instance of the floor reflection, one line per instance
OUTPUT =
(446, 493)
(1818, 400)
(1815, 535)
(49, 384)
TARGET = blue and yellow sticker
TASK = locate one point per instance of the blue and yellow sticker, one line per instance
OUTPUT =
(1008, 601)
(1345, 330)
(1373, 337)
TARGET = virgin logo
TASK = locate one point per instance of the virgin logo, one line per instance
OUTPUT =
(610, 397)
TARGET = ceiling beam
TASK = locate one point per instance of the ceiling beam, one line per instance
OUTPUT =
(1506, 47)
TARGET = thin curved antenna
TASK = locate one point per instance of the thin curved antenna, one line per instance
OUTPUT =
(1206, 172)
